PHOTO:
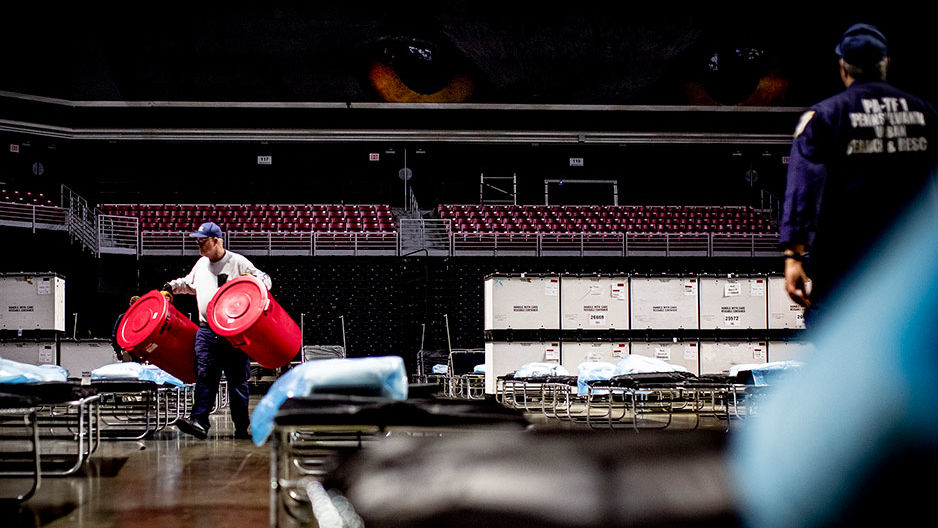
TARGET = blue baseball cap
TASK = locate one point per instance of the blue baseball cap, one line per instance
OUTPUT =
(862, 44)
(208, 229)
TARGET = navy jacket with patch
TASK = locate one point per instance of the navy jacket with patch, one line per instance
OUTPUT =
(857, 160)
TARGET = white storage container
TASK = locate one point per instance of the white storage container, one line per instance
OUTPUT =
(573, 353)
(32, 302)
(84, 356)
(728, 303)
(718, 356)
(683, 353)
(790, 350)
(594, 303)
(783, 312)
(502, 358)
(522, 302)
(667, 303)
(29, 352)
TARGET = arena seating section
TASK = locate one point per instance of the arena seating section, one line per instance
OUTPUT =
(605, 219)
(254, 217)
(25, 197)
(463, 218)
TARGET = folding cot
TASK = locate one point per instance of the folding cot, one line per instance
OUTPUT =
(67, 419)
(134, 409)
(460, 380)
(639, 401)
(313, 435)
(19, 413)
(535, 478)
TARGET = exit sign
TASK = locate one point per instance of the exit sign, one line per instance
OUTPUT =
(265, 160)
(576, 162)
(14, 148)
(374, 156)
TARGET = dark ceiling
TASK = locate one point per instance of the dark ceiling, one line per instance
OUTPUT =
(485, 72)
(523, 54)
(88, 92)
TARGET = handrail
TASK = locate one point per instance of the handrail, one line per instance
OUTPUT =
(81, 219)
(429, 237)
(33, 216)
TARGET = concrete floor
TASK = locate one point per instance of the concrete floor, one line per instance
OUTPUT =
(172, 479)
(168, 479)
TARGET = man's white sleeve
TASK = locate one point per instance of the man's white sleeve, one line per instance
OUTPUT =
(184, 285)
(247, 267)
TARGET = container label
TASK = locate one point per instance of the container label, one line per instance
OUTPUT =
(552, 288)
(690, 351)
(758, 352)
(732, 289)
(690, 287)
(597, 319)
(757, 288)
(46, 355)
(618, 291)
(663, 353)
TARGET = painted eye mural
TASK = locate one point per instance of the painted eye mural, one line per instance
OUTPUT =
(591, 54)
(742, 76)
(409, 70)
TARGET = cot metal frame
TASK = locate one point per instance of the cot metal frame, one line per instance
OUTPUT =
(66, 420)
(637, 401)
(312, 436)
(133, 410)
(17, 408)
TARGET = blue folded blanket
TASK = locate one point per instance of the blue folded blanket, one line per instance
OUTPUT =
(768, 373)
(536, 369)
(592, 370)
(383, 375)
(16, 372)
(134, 371)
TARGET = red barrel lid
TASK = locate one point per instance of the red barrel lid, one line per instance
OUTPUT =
(237, 305)
(144, 318)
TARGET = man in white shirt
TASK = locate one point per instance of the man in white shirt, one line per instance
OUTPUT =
(213, 353)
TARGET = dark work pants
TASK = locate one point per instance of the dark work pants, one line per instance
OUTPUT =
(214, 355)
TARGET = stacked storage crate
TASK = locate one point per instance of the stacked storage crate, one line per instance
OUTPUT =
(705, 323)
(523, 314)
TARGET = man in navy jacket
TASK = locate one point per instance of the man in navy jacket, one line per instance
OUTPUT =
(857, 160)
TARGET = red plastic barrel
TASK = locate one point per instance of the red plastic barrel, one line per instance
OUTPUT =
(154, 330)
(244, 312)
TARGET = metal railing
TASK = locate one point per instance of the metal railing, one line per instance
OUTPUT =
(121, 235)
(613, 244)
(167, 243)
(744, 245)
(117, 234)
(33, 216)
(427, 236)
(296, 243)
(81, 219)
